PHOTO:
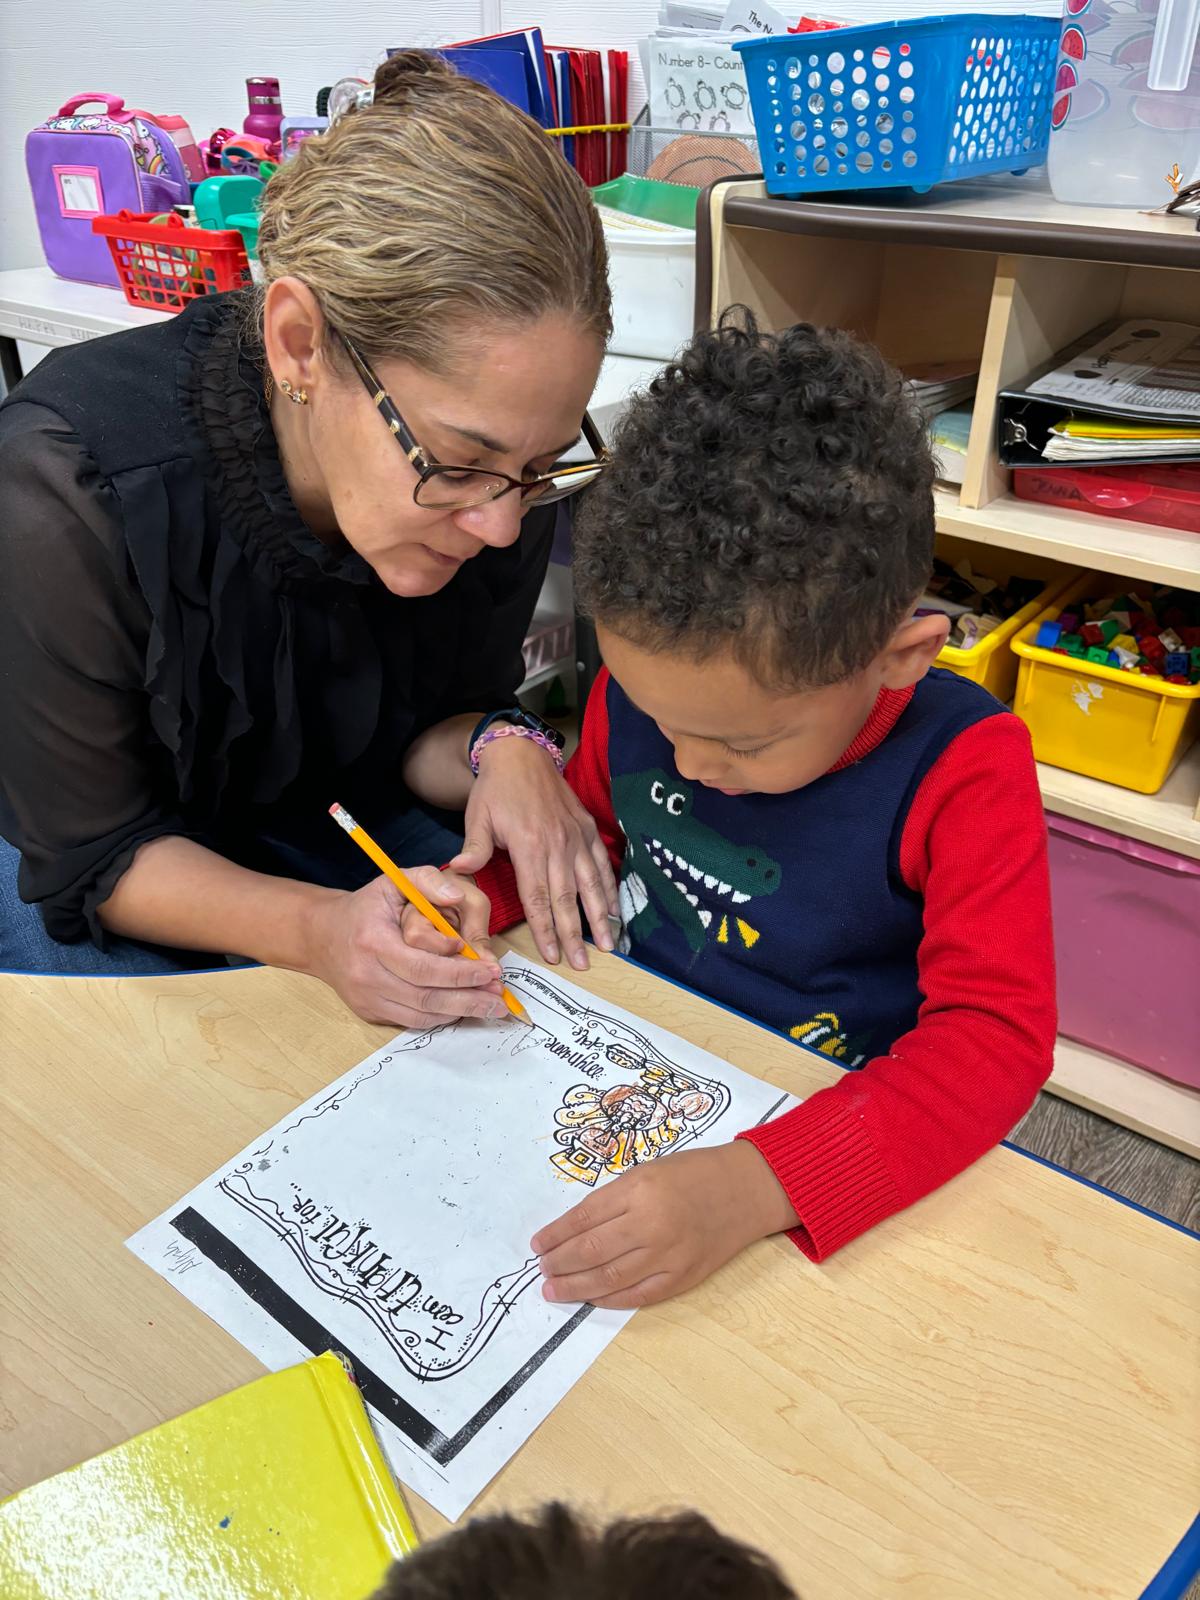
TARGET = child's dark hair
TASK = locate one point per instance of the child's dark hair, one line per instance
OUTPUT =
(770, 494)
(556, 1555)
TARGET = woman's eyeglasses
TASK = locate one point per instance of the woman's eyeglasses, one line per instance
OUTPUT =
(448, 488)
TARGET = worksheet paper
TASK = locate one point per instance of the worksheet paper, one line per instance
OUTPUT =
(389, 1217)
(1144, 369)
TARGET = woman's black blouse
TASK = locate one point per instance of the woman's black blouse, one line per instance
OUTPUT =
(179, 654)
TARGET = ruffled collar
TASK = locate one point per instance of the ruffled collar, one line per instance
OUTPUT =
(221, 391)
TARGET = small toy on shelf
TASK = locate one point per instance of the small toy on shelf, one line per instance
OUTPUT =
(294, 130)
(211, 148)
(244, 154)
(975, 604)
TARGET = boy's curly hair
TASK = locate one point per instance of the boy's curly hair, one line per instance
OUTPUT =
(555, 1555)
(770, 494)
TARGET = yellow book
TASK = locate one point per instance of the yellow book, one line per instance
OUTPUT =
(278, 1489)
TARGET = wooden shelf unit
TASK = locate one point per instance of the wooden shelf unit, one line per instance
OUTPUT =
(1009, 274)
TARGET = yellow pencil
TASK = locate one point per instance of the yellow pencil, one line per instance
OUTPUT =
(414, 896)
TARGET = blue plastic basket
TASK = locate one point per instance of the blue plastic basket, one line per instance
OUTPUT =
(901, 103)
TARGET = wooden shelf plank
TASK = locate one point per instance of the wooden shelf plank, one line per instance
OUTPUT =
(1167, 819)
(1157, 1107)
(1024, 219)
(1111, 544)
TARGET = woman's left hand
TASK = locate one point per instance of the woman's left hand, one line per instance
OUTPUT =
(521, 803)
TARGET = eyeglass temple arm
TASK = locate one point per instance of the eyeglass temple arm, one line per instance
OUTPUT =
(594, 437)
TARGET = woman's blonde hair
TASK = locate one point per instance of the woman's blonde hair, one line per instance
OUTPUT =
(436, 206)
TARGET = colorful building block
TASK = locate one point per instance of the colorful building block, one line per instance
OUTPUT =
(1170, 640)
(1068, 621)
(1123, 641)
(1048, 635)
(1109, 629)
(1091, 633)
(1073, 644)
(1176, 662)
(1098, 654)
(1126, 659)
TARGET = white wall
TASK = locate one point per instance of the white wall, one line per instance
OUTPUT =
(194, 58)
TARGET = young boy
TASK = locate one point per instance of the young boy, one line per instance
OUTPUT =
(554, 1556)
(815, 826)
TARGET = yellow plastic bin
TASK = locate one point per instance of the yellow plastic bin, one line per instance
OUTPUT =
(991, 664)
(1120, 726)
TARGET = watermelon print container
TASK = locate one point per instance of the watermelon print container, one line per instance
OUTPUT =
(1126, 113)
(901, 104)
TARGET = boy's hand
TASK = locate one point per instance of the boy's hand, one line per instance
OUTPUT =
(661, 1228)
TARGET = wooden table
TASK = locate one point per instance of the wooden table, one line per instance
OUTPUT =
(994, 1395)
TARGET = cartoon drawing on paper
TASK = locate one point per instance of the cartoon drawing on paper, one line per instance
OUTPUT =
(632, 1123)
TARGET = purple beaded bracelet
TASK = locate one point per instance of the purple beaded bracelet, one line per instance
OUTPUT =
(510, 730)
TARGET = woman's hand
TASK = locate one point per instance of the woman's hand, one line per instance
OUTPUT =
(359, 944)
(521, 803)
(660, 1228)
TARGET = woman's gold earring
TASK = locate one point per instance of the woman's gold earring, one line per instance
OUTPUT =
(297, 396)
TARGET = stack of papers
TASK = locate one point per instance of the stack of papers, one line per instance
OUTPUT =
(1089, 438)
(1143, 369)
(938, 385)
(949, 433)
(853, 13)
(1134, 393)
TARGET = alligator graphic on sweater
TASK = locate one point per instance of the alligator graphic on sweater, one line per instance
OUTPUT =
(678, 867)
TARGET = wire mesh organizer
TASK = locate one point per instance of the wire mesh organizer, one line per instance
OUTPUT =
(692, 159)
(902, 104)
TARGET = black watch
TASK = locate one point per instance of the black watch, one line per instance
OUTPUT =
(519, 718)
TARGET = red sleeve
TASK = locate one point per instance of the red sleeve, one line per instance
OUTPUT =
(974, 846)
(587, 774)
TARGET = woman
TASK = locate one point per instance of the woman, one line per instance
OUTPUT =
(283, 550)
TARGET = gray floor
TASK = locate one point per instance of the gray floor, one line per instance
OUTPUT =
(1137, 1168)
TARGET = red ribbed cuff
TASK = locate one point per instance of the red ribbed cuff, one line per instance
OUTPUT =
(499, 882)
(830, 1170)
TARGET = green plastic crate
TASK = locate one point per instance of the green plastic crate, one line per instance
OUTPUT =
(674, 203)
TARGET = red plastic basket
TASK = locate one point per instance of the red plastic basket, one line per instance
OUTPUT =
(164, 264)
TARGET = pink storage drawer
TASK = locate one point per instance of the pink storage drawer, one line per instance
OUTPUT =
(1127, 943)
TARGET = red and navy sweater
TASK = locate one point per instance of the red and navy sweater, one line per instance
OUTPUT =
(893, 915)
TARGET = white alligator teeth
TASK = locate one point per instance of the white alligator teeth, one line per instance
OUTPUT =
(678, 885)
(670, 854)
(739, 899)
(691, 899)
(657, 860)
(696, 872)
(706, 917)
(667, 874)
(709, 881)
(723, 888)
(657, 843)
